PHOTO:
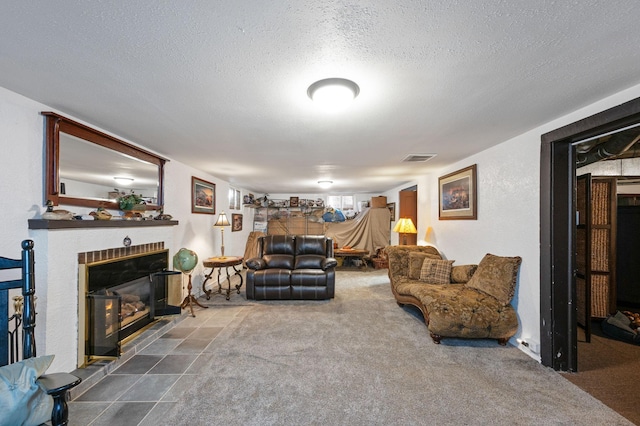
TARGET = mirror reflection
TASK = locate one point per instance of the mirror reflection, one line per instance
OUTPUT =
(86, 167)
(92, 171)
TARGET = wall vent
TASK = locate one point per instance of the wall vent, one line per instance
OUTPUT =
(418, 158)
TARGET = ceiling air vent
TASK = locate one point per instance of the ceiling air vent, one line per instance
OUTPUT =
(418, 158)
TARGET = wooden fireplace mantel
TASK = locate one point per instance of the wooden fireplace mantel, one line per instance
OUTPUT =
(80, 224)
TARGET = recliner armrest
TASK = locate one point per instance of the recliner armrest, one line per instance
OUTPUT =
(256, 263)
(328, 263)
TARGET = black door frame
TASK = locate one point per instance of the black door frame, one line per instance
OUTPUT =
(558, 332)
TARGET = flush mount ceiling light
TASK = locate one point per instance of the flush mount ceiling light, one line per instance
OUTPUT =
(123, 180)
(333, 93)
(325, 183)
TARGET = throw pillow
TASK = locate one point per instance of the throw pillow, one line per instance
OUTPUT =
(416, 259)
(496, 276)
(22, 399)
(436, 271)
(462, 273)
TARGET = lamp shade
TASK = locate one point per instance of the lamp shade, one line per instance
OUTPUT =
(405, 226)
(222, 220)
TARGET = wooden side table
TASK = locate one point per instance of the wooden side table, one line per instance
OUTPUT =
(223, 262)
(352, 253)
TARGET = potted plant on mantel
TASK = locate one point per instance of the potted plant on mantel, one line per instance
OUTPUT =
(130, 202)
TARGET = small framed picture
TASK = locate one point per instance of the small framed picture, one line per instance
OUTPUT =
(203, 196)
(237, 199)
(392, 210)
(458, 195)
(294, 201)
(236, 222)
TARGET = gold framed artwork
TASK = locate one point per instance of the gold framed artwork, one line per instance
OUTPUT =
(203, 196)
(458, 198)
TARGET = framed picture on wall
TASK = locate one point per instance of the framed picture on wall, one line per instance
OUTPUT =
(203, 196)
(458, 195)
(237, 199)
(236, 222)
(392, 210)
(294, 201)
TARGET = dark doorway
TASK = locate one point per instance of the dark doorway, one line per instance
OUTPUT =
(557, 230)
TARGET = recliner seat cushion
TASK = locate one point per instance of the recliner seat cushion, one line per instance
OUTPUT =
(272, 277)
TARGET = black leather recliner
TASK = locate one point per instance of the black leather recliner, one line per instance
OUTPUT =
(292, 267)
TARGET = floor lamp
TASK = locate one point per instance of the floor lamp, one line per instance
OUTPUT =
(221, 223)
(403, 227)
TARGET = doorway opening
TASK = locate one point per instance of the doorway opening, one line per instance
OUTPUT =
(558, 297)
(408, 208)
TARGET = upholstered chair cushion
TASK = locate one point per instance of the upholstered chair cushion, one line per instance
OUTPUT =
(436, 271)
(280, 261)
(462, 273)
(496, 276)
(22, 399)
(416, 259)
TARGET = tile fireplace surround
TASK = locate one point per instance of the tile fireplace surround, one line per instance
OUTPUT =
(58, 256)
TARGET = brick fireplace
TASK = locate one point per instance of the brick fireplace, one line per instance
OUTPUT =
(121, 291)
(59, 255)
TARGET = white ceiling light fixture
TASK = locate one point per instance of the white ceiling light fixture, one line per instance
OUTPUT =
(325, 183)
(333, 94)
(123, 180)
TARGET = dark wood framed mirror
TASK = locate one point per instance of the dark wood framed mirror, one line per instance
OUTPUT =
(86, 167)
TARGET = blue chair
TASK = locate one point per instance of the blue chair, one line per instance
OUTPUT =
(19, 334)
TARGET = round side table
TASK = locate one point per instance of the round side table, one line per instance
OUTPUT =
(225, 262)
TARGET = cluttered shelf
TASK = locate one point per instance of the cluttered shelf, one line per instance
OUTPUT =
(78, 224)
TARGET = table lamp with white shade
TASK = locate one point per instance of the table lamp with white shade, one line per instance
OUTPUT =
(221, 223)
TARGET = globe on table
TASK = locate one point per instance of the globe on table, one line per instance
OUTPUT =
(185, 260)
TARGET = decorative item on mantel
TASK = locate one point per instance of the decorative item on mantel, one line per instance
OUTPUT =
(132, 205)
(130, 201)
(163, 216)
(100, 214)
(52, 214)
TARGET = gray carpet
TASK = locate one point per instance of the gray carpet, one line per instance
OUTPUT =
(359, 359)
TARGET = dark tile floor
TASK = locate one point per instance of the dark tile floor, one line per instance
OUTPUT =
(140, 390)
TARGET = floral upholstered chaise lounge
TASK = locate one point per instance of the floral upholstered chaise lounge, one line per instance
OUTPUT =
(466, 301)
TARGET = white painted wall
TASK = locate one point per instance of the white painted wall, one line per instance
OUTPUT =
(21, 192)
(508, 211)
(508, 201)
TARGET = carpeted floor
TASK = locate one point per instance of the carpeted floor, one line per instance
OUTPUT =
(610, 371)
(359, 359)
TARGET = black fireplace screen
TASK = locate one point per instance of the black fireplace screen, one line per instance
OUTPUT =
(124, 296)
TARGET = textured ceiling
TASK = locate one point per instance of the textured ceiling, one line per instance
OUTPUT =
(221, 86)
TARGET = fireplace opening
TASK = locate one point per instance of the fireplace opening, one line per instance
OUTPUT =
(123, 296)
